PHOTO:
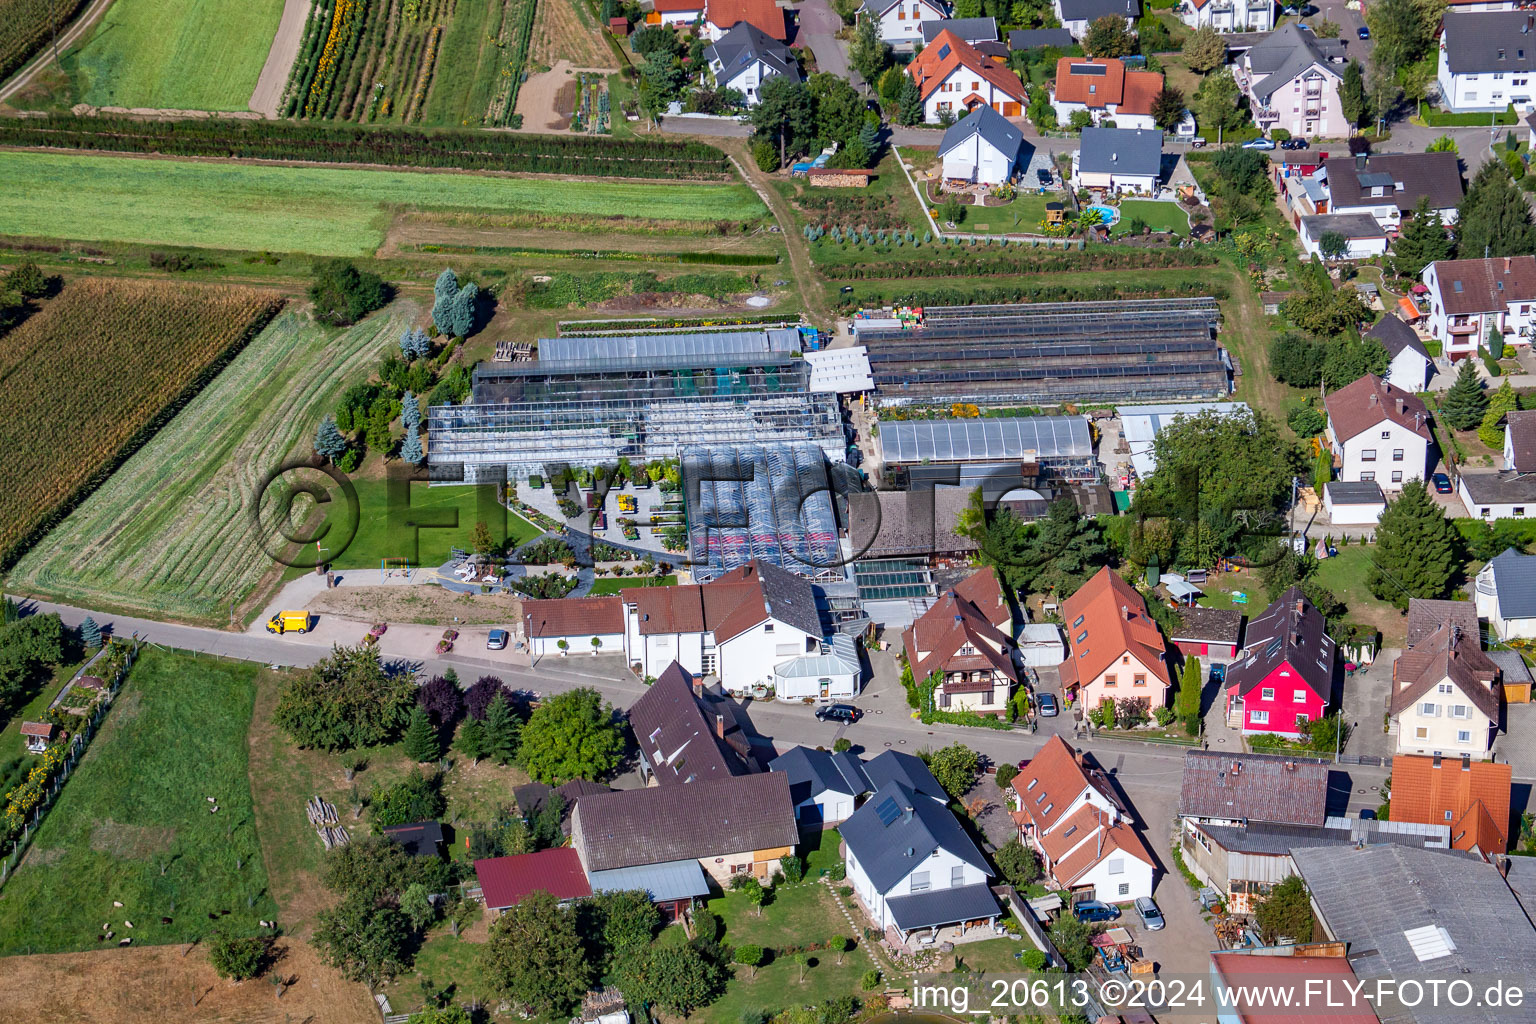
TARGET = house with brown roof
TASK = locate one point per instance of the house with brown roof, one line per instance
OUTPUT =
(1379, 433)
(1107, 90)
(569, 625)
(1233, 788)
(954, 78)
(1210, 633)
(966, 640)
(720, 16)
(1445, 690)
(1115, 650)
(1388, 186)
(677, 13)
(37, 735)
(1469, 298)
(1472, 797)
(1069, 813)
(686, 737)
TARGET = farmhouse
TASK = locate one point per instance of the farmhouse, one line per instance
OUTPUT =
(952, 76)
(1107, 90)
(1231, 788)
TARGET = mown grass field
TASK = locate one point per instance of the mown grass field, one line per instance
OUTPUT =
(378, 538)
(344, 212)
(134, 824)
(83, 377)
(169, 533)
(176, 54)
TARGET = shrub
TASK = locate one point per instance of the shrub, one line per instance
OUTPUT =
(343, 295)
(871, 980)
(765, 155)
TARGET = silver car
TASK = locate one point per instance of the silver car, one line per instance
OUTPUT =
(1151, 917)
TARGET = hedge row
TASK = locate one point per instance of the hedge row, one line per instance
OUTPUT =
(931, 296)
(1037, 262)
(389, 146)
(723, 259)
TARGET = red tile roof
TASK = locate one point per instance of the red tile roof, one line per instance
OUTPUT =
(506, 880)
(1079, 862)
(1116, 622)
(1132, 92)
(677, 6)
(1055, 774)
(1486, 285)
(43, 729)
(765, 14)
(1289, 981)
(947, 53)
(955, 621)
(579, 616)
(1475, 794)
(1356, 408)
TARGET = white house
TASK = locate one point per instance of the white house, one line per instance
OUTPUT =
(900, 22)
(720, 16)
(1292, 81)
(1411, 367)
(1445, 692)
(1363, 237)
(746, 57)
(1388, 186)
(1076, 15)
(1469, 298)
(1107, 90)
(831, 672)
(1505, 595)
(913, 867)
(1040, 645)
(1487, 60)
(1118, 160)
(1353, 504)
(1379, 433)
(983, 148)
(1070, 815)
(677, 13)
(953, 78)
(1228, 16)
(965, 642)
(1509, 492)
(827, 787)
(573, 623)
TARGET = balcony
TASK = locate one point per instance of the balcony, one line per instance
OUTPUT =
(1462, 328)
(1267, 114)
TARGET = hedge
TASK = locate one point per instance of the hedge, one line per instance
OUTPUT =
(1446, 119)
(1041, 262)
(990, 294)
(726, 259)
(386, 146)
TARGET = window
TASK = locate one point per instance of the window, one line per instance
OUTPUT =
(1082, 637)
(1139, 680)
(1048, 808)
(1386, 434)
(1039, 799)
(1461, 711)
(1397, 476)
(1267, 693)
(1483, 512)
(767, 627)
(957, 876)
(1397, 455)
(1430, 710)
(1367, 477)
(1299, 696)
(1117, 865)
(1447, 815)
(1463, 737)
(1443, 688)
(1125, 888)
(1032, 784)
(1519, 511)
(1110, 681)
(1077, 622)
(1258, 717)
(920, 881)
(1368, 455)
(1301, 720)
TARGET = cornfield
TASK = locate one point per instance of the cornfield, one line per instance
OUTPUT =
(26, 26)
(93, 374)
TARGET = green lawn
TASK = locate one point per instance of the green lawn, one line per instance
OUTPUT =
(177, 54)
(344, 212)
(1023, 215)
(1158, 216)
(11, 744)
(451, 511)
(1345, 576)
(612, 585)
(134, 824)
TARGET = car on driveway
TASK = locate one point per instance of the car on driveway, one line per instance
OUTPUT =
(1363, 32)
(496, 640)
(1151, 917)
(1092, 912)
(839, 713)
(1259, 143)
(1442, 483)
(1047, 704)
(1295, 144)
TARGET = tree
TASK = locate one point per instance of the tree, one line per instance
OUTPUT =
(1241, 171)
(1168, 108)
(1073, 940)
(90, 634)
(1352, 98)
(363, 940)
(1186, 702)
(1017, 863)
(1352, 358)
(1321, 310)
(1415, 549)
(501, 729)
(477, 699)
(955, 767)
(410, 412)
(1286, 911)
(472, 742)
(416, 797)
(1334, 245)
(755, 892)
(28, 280)
(1464, 404)
(421, 741)
(784, 116)
(1216, 104)
(1381, 88)
(749, 957)
(329, 443)
(1006, 773)
(623, 921)
(571, 736)
(1306, 421)
(677, 978)
(1502, 403)
(1422, 241)
(839, 108)
(462, 312)
(1322, 468)
(868, 53)
(1297, 360)
(346, 700)
(1205, 50)
(410, 448)
(1108, 37)
(343, 295)
(802, 960)
(1495, 219)
(1399, 33)
(417, 906)
(443, 1014)
(238, 958)
(968, 8)
(909, 102)
(481, 540)
(534, 956)
(1442, 144)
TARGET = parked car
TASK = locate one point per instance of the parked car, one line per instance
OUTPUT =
(1363, 32)
(1093, 912)
(1295, 144)
(839, 713)
(1045, 177)
(1151, 917)
(1259, 143)
(1198, 142)
(1442, 483)
(497, 640)
(1047, 705)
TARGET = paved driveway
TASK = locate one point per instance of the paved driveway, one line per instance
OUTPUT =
(1365, 704)
(819, 24)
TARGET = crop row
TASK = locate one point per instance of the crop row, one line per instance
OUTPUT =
(1041, 262)
(387, 146)
(930, 295)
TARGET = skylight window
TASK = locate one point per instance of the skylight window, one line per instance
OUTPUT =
(944, 51)
(1430, 942)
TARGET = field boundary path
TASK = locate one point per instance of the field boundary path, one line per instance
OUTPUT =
(794, 242)
(69, 37)
(267, 97)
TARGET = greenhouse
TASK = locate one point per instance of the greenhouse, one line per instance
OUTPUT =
(1047, 440)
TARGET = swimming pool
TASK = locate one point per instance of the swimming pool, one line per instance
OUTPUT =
(1108, 215)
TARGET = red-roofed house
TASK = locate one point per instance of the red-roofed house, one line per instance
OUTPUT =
(1069, 813)
(575, 621)
(1253, 984)
(37, 735)
(1106, 90)
(675, 12)
(1116, 651)
(965, 639)
(505, 881)
(1472, 797)
(1379, 432)
(953, 77)
(720, 16)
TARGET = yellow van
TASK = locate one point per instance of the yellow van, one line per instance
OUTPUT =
(284, 622)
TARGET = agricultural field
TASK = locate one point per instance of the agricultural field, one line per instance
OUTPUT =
(568, 30)
(175, 54)
(91, 372)
(238, 206)
(27, 25)
(485, 51)
(134, 823)
(169, 533)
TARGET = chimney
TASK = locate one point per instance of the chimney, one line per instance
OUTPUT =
(906, 816)
(1466, 762)
(1125, 613)
(1359, 162)
(1506, 258)
(1375, 398)
(698, 687)
(1402, 407)
(1301, 605)
(720, 726)
(1237, 768)
(1078, 755)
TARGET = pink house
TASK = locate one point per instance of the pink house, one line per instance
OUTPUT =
(1117, 652)
(1285, 676)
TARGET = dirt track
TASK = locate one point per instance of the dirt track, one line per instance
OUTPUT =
(285, 49)
(540, 100)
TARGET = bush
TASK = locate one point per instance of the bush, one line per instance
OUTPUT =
(1032, 960)
(239, 959)
(343, 295)
(871, 980)
(1306, 421)
(765, 155)
(417, 797)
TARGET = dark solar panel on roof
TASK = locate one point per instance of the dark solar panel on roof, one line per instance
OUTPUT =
(1098, 70)
(944, 51)
(888, 810)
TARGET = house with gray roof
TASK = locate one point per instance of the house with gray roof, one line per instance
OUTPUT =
(1118, 159)
(914, 868)
(971, 30)
(1076, 15)
(1035, 38)
(1487, 60)
(1421, 914)
(983, 148)
(1231, 788)
(1388, 186)
(746, 57)
(1363, 237)
(900, 22)
(1507, 493)
(826, 787)
(1291, 79)
(1505, 595)
(1410, 367)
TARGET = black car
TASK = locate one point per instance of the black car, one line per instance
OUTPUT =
(1045, 177)
(1092, 911)
(1295, 144)
(839, 713)
(1442, 483)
